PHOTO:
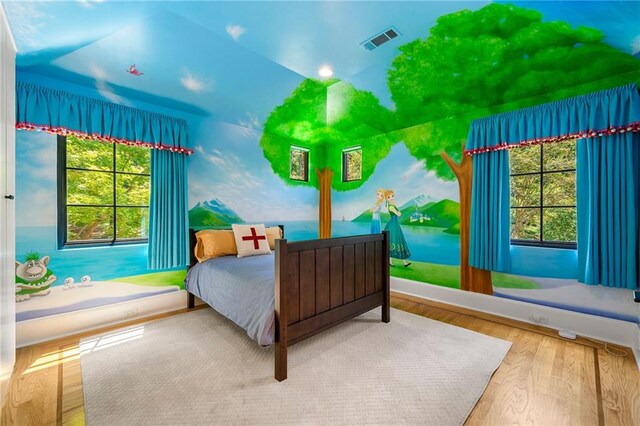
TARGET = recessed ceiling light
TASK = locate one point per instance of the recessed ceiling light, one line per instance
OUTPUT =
(325, 71)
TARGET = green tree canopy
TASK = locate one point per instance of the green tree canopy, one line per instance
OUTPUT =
(496, 59)
(326, 117)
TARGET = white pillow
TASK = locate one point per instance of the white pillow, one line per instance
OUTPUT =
(251, 240)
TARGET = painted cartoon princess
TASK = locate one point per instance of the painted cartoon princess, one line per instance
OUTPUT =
(375, 210)
(397, 244)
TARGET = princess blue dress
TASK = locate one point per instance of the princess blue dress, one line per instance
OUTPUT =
(398, 247)
(375, 218)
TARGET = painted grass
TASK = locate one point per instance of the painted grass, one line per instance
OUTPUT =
(157, 279)
(449, 276)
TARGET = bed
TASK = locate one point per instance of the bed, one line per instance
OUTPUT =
(302, 289)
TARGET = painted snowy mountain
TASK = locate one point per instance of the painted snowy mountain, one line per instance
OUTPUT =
(212, 213)
(419, 201)
(424, 210)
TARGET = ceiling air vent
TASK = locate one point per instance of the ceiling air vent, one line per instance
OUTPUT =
(380, 39)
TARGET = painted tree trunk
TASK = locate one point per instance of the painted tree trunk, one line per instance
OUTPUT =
(324, 206)
(471, 279)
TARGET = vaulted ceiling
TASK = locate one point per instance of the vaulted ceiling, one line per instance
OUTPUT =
(237, 60)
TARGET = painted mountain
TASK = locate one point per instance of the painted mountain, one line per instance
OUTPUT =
(443, 214)
(211, 214)
(424, 211)
(406, 208)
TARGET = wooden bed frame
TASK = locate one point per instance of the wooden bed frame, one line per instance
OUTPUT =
(321, 283)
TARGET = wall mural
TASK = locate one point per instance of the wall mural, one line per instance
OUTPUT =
(411, 129)
(52, 281)
(415, 180)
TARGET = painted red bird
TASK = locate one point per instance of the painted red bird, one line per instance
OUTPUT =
(132, 70)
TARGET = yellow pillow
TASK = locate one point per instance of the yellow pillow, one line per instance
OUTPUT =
(214, 243)
(273, 233)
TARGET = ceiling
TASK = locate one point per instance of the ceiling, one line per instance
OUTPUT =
(237, 60)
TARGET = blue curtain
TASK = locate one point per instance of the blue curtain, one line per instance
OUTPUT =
(489, 240)
(168, 217)
(605, 122)
(607, 190)
(56, 111)
(604, 112)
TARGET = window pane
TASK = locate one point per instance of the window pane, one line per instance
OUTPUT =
(299, 164)
(560, 155)
(132, 190)
(89, 223)
(525, 224)
(559, 189)
(524, 160)
(132, 222)
(87, 154)
(352, 163)
(560, 225)
(133, 159)
(525, 190)
(85, 187)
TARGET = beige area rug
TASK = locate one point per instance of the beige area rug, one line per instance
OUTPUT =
(199, 368)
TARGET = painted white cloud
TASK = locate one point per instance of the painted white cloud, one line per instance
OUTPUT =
(635, 45)
(101, 76)
(89, 3)
(251, 126)
(26, 22)
(250, 189)
(37, 183)
(252, 122)
(194, 83)
(235, 31)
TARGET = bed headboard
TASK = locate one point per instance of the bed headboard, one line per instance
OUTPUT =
(192, 242)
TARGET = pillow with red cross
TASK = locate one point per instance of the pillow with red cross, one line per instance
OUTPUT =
(251, 240)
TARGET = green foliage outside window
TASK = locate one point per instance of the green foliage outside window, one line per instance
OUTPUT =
(107, 191)
(352, 164)
(543, 193)
(299, 167)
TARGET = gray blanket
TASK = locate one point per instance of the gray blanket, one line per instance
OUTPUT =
(240, 289)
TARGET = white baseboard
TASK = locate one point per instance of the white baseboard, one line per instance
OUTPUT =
(605, 329)
(52, 327)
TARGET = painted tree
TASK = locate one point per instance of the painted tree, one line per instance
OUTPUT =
(473, 64)
(326, 117)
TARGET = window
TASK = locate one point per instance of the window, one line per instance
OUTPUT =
(103, 195)
(352, 164)
(299, 164)
(543, 195)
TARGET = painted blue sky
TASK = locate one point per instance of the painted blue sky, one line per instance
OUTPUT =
(233, 59)
(36, 185)
(398, 171)
(228, 164)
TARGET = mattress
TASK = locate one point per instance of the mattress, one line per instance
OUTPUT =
(241, 289)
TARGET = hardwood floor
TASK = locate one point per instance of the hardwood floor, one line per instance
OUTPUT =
(544, 380)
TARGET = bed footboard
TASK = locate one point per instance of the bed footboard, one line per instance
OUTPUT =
(321, 283)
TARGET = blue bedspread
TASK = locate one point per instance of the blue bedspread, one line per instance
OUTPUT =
(240, 289)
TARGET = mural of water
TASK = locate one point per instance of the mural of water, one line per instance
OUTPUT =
(101, 263)
(427, 244)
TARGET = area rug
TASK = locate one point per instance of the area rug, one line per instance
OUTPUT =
(199, 368)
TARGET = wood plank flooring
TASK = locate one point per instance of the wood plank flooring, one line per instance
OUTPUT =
(544, 380)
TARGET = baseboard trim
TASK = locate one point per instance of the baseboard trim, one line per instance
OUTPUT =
(605, 329)
(38, 330)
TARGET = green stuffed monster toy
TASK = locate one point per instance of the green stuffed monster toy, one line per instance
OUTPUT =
(33, 278)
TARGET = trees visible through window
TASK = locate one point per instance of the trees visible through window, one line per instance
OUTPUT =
(543, 195)
(299, 164)
(104, 192)
(352, 164)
